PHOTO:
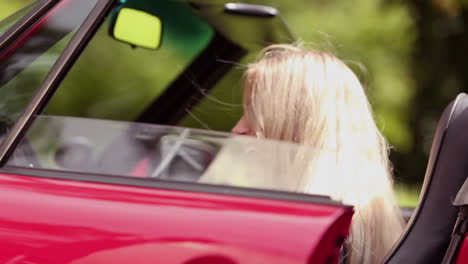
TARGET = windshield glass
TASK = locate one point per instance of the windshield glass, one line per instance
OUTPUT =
(167, 153)
(9, 21)
(113, 80)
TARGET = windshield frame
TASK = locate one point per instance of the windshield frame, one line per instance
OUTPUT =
(57, 73)
(13, 18)
(8, 37)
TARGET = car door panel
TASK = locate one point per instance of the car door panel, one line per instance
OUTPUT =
(61, 221)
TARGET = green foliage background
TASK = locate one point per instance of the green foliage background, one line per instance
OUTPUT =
(409, 54)
(9, 7)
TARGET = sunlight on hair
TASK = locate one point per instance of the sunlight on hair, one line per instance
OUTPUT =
(312, 98)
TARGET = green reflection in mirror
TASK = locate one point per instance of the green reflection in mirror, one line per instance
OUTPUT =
(137, 28)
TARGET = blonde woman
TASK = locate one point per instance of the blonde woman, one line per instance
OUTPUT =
(312, 98)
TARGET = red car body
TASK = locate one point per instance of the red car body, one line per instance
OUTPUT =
(58, 221)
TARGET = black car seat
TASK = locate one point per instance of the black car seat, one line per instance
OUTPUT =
(428, 233)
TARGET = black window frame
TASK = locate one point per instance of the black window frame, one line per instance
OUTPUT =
(8, 38)
(57, 73)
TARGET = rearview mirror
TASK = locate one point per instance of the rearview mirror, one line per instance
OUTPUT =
(137, 28)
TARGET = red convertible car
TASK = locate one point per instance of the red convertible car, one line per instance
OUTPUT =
(98, 165)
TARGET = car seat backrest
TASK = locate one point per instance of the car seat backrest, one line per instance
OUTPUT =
(428, 232)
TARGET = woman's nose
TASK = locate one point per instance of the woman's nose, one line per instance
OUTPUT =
(242, 127)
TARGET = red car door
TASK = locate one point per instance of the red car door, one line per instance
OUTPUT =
(70, 221)
(66, 208)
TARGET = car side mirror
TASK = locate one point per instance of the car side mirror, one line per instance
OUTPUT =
(137, 28)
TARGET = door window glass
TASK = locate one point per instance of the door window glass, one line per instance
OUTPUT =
(137, 150)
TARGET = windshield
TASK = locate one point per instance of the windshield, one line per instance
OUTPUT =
(162, 152)
(113, 80)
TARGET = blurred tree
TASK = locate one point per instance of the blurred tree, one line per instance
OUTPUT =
(375, 38)
(439, 70)
(9, 7)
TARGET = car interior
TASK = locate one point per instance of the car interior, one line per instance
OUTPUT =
(156, 155)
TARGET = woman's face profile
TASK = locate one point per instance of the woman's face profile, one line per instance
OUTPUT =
(243, 127)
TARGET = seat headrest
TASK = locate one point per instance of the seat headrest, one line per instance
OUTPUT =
(428, 233)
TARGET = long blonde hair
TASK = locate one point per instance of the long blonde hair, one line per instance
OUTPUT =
(311, 97)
